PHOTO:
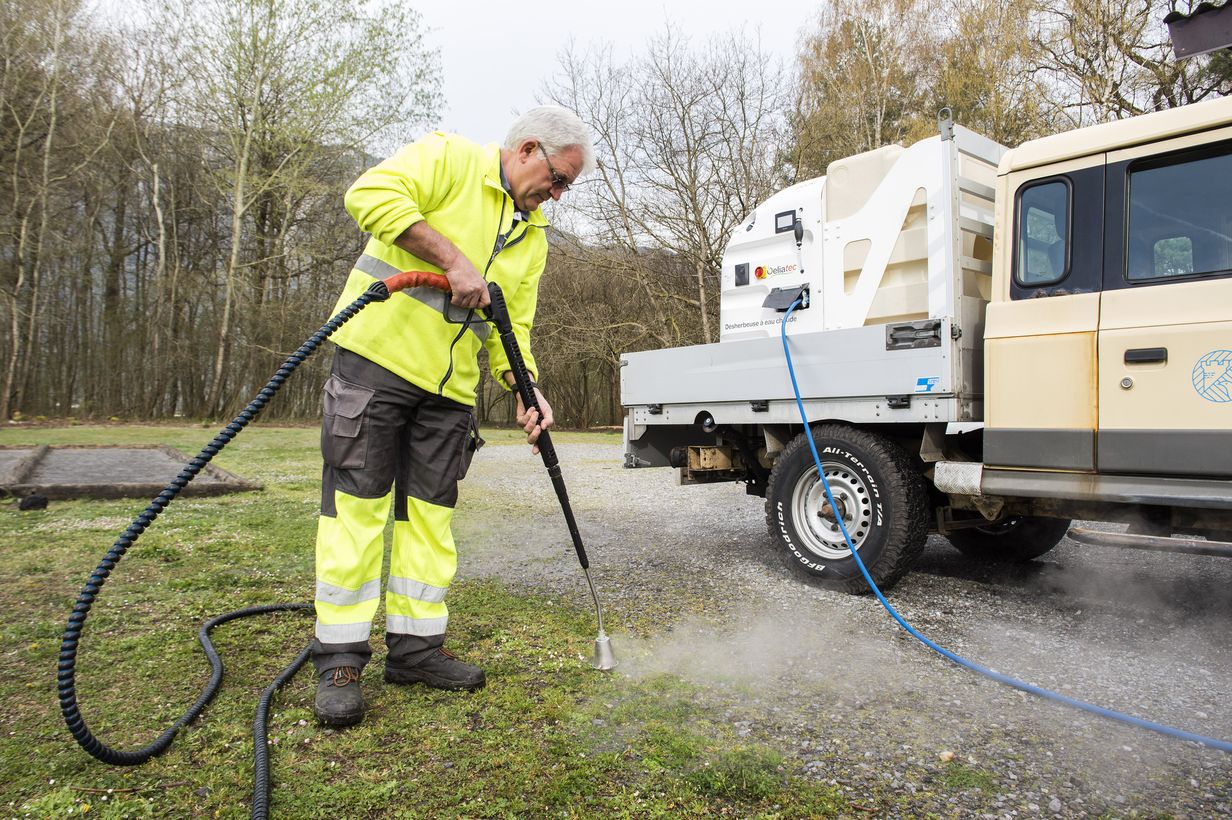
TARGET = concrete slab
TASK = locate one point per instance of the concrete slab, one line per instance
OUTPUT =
(106, 472)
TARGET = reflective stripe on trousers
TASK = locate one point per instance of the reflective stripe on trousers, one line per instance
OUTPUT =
(350, 546)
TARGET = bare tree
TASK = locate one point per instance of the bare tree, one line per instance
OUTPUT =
(277, 85)
(690, 138)
(49, 135)
(179, 198)
(988, 74)
(865, 80)
(1109, 59)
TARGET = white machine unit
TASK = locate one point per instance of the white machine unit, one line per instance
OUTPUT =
(894, 247)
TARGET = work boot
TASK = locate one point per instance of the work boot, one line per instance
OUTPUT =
(340, 702)
(440, 670)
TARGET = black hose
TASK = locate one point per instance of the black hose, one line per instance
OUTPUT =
(66, 677)
(260, 733)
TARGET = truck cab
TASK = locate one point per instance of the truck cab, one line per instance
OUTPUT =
(1114, 259)
(988, 343)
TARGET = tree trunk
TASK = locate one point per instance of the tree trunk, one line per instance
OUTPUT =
(18, 365)
(700, 270)
(115, 324)
(214, 401)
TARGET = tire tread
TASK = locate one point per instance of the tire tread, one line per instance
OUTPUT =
(906, 488)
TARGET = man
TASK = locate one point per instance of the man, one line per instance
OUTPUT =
(399, 401)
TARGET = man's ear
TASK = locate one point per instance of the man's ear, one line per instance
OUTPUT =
(527, 148)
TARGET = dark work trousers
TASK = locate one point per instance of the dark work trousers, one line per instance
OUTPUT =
(381, 433)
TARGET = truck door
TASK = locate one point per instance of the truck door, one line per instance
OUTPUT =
(1165, 329)
(1040, 330)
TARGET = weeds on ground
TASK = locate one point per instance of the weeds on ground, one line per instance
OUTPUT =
(548, 737)
(959, 776)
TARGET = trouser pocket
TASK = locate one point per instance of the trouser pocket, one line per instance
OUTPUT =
(344, 428)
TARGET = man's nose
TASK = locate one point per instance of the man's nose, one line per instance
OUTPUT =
(554, 193)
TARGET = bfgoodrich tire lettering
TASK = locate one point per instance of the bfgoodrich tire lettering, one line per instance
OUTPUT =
(880, 496)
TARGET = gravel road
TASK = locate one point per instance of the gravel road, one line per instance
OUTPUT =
(832, 680)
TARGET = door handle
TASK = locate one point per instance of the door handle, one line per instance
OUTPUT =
(1146, 355)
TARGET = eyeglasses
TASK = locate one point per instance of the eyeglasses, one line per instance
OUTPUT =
(559, 180)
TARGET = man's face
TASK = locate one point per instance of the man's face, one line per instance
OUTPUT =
(535, 177)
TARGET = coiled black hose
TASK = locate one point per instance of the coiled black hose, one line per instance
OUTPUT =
(66, 676)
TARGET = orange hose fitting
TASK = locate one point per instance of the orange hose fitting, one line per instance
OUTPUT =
(415, 278)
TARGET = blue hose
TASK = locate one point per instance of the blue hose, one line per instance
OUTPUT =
(1171, 731)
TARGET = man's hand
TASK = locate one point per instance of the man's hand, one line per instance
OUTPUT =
(531, 421)
(470, 290)
(468, 285)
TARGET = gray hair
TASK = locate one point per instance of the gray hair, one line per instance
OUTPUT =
(555, 128)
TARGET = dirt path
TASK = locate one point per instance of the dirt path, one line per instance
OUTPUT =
(693, 586)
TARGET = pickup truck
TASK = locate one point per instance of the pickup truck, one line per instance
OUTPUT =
(989, 343)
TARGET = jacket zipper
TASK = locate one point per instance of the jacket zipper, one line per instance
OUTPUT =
(502, 242)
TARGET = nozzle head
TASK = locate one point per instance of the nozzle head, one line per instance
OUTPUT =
(604, 658)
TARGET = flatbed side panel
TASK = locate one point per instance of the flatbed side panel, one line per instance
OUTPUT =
(845, 363)
(920, 409)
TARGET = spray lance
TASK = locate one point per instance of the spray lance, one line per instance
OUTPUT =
(379, 291)
(603, 658)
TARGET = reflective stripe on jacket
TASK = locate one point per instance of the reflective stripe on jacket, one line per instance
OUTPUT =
(455, 186)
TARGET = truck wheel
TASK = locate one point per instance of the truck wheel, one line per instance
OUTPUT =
(880, 496)
(1017, 539)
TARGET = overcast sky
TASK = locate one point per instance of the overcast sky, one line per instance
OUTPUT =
(496, 56)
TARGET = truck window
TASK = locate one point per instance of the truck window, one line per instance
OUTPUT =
(1180, 218)
(1042, 256)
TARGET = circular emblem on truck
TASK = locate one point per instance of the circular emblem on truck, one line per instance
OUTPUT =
(1212, 376)
(760, 272)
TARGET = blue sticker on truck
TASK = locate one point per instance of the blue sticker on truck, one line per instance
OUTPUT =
(1212, 376)
(925, 384)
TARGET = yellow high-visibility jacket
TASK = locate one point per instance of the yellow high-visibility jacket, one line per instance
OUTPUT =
(455, 186)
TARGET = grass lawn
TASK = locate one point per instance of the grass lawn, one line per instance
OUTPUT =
(549, 736)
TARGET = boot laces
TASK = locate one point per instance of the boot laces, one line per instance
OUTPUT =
(344, 676)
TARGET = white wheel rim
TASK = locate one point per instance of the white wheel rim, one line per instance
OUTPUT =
(815, 522)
